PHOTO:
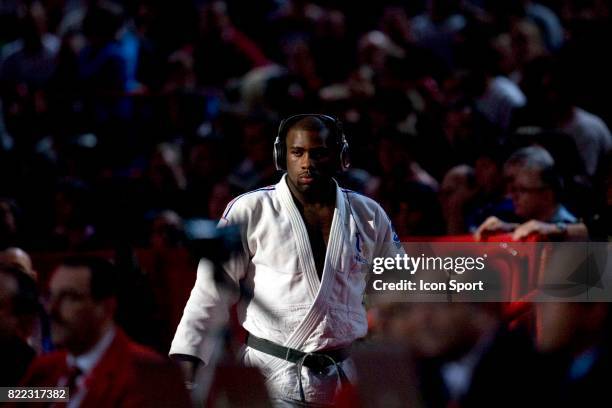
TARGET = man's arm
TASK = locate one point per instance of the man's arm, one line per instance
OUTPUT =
(491, 226)
(188, 365)
(207, 310)
(554, 232)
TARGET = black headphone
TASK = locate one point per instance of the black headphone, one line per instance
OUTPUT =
(330, 122)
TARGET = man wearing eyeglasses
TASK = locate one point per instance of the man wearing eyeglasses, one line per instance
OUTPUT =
(535, 189)
(307, 247)
(95, 360)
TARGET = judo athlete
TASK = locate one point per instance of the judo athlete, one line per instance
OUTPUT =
(307, 246)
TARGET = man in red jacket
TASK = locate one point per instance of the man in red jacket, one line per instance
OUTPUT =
(101, 366)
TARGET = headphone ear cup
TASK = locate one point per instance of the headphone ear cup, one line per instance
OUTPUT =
(345, 158)
(279, 157)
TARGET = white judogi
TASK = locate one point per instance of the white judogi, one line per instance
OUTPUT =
(277, 264)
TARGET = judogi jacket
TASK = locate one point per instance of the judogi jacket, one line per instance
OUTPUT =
(291, 305)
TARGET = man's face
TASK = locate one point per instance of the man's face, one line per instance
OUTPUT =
(76, 318)
(530, 197)
(310, 164)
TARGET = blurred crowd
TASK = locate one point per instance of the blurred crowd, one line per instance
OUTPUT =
(123, 123)
(126, 120)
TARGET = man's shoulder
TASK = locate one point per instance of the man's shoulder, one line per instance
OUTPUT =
(152, 380)
(132, 375)
(249, 200)
(360, 201)
(591, 120)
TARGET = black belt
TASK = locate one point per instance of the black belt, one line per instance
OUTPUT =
(317, 361)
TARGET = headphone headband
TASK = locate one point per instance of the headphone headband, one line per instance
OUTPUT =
(331, 123)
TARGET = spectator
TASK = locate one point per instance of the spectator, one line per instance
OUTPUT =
(204, 169)
(73, 227)
(397, 167)
(527, 46)
(548, 23)
(491, 198)
(167, 231)
(256, 170)
(222, 193)
(535, 188)
(464, 127)
(26, 68)
(551, 106)
(103, 71)
(17, 257)
(417, 212)
(456, 195)
(30, 60)
(19, 309)
(164, 183)
(332, 42)
(498, 97)
(82, 303)
(102, 66)
(438, 29)
(234, 53)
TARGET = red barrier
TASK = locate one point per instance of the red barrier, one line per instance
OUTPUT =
(533, 255)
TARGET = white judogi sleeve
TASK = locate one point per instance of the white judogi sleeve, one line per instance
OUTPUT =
(207, 310)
